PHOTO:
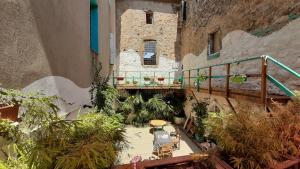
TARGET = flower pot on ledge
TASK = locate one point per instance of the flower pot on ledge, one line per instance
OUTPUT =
(9, 112)
(120, 78)
(161, 79)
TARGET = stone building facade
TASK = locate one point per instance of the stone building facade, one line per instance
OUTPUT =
(141, 23)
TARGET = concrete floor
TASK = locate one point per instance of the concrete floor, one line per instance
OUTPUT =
(141, 143)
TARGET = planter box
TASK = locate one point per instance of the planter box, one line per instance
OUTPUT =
(287, 164)
(9, 112)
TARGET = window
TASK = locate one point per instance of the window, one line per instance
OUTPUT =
(149, 17)
(214, 44)
(150, 52)
(94, 42)
(183, 10)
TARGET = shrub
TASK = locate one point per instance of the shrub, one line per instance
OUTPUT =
(201, 113)
(255, 140)
(139, 112)
(44, 140)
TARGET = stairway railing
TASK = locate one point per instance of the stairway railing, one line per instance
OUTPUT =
(194, 74)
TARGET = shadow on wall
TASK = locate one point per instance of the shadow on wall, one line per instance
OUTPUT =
(63, 28)
(72, 96)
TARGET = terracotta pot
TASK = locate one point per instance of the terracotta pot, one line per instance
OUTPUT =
(9, 112)
(120, 78)
(160, 79)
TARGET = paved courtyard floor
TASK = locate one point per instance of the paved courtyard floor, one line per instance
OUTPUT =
(141, 143)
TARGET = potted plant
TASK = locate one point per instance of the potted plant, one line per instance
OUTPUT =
(160, 79)
(120, 78)
(238, 78)
(202, 78)
(176, 83)
(179, 117)
(135, 82)
(152, 81)
(9, 104)
(176, 100)
(146, 78)
(201, 113)
(9, 111)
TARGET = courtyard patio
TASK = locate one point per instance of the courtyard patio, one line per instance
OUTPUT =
(140, 143)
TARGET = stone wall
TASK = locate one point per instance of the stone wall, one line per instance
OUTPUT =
(239, 22)
(133, 30)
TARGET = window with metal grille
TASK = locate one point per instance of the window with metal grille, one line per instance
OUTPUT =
(149, 17)
(150, 52)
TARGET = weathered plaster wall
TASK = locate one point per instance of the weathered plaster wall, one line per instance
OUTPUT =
(283, 45)
(22, 55)
(130, 61)
(204, 17)
(72, 96)
(237, 21)
(132, 30)
(44, 38)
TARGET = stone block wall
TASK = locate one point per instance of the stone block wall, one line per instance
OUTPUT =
(133, 30)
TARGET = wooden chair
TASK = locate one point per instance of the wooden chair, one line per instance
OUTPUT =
(176, 141)
(165, 151)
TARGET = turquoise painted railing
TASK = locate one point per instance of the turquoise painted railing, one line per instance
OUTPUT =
(193, 79)
(194, 74)
(147, 78)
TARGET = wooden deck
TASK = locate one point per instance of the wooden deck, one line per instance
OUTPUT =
(170, 161)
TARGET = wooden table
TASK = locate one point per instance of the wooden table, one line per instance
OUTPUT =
(157, 123)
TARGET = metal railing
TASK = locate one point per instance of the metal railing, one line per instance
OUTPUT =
(141, 79)
(193, 77)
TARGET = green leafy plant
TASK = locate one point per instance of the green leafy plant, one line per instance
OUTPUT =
(238, 79)
(202, 78)
(104, 97)
(176, 100)
(98, 85)
(139, 112)
(201, 113)
(159, 108)
(44, 140)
